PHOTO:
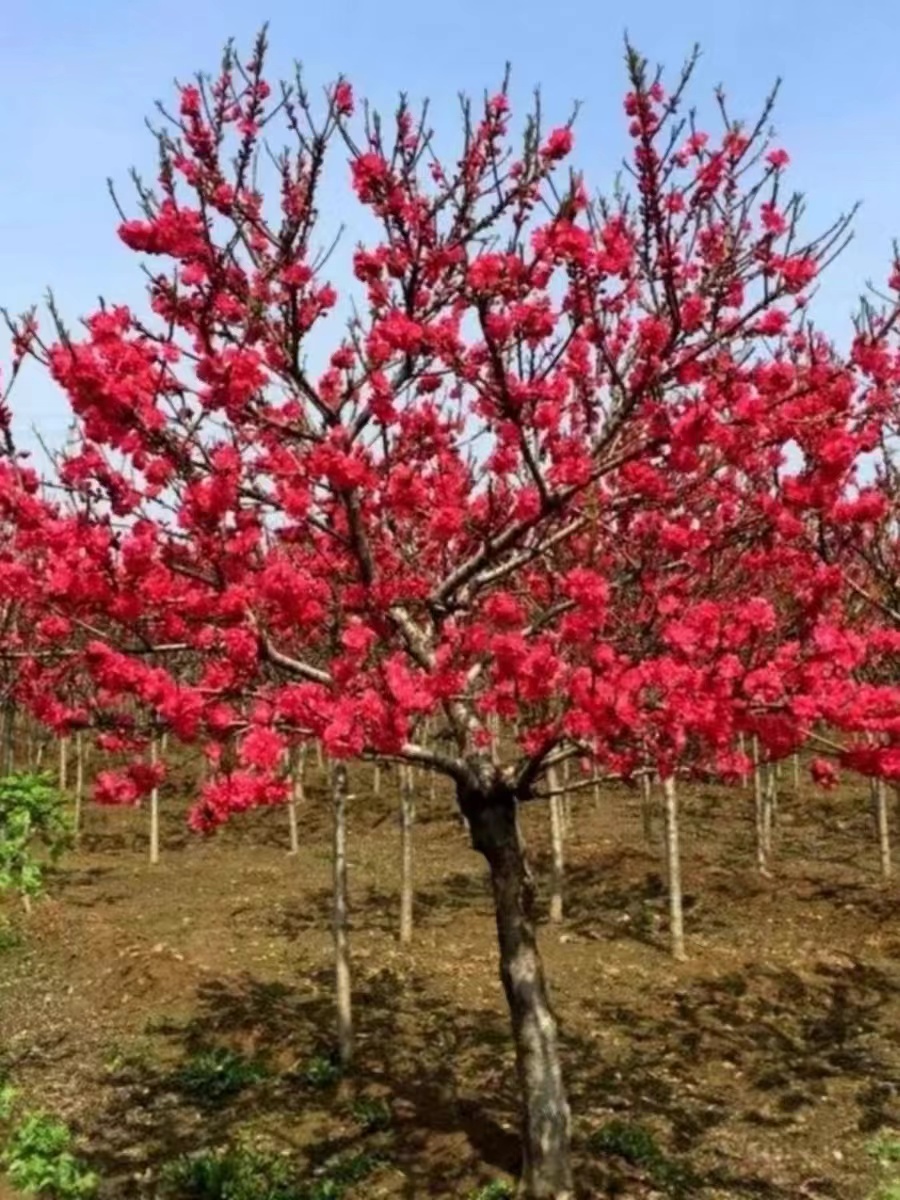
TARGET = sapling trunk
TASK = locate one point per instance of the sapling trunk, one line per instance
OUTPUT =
(795, 761)
(154, 807)
(759, 807)
(673, 869)
(79, 784)
(883, 825)
(407, 817)
(770, 809)
(340, 926)
(296, 760)
(647, 806)
(557, 847)
(376, 781)
(566, 798)
(546, 1159)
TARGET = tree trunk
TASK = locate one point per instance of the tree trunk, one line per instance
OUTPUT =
(343, 995)
(770, 809)
(546, 1161)
(673, 870)
(647, 807)
(759, 808)
(376, 781)
(296, 761)
(63, 763)
(79, 783)
(795, 758)
(557, 848)
(884, 831)
(407, 817)
(154, 808)
(565, 800)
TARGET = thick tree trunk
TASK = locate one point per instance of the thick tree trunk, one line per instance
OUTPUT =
(557, 847)
(340, 924)
(407, 817)
(546, 1162)
(673, 870)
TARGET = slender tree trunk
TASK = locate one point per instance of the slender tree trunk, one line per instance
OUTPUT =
(407, 817)
(154, 807)
(376, 781)
(340, 924)
(596, 791)
(566, 798)
(63, 763)
(759, 807)
(320, 755)
(770, 809)
(546, 1161)
(884, 829)
(647, 807)
(795, 760)
(296, 761)
(9, 763)
(673, 870)
(742, 746)
(557, 848)
(79, 783)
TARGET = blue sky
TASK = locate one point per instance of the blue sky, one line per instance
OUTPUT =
(78, 80)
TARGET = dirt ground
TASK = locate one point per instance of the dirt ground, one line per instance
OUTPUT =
(763, 1066)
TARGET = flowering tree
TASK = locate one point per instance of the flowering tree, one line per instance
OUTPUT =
(540, 407)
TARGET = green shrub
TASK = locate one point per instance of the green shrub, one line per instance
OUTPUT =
(32, 815)
(497, 1189)
(38, 1160)
(885, 1150)
(635, 1144)
(323, 1071)
(371, 1114)
(339, 1174)
(234, 1174)
(216, 1074)
(245, 1174)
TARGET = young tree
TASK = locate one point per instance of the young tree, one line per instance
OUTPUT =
(541, 406)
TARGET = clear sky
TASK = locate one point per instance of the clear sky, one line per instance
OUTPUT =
(78, 79)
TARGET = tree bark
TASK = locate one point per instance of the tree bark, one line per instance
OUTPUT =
(760, 805)
(296, 760)
(546, 1132)
(407, 817)
(673, 869)
(647, 807)
(883, 824)
(340, 926)
(557, 848)
(154, 808)
(79, 783)
(63, 765)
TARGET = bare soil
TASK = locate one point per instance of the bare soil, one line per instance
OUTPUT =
(763, 1066)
